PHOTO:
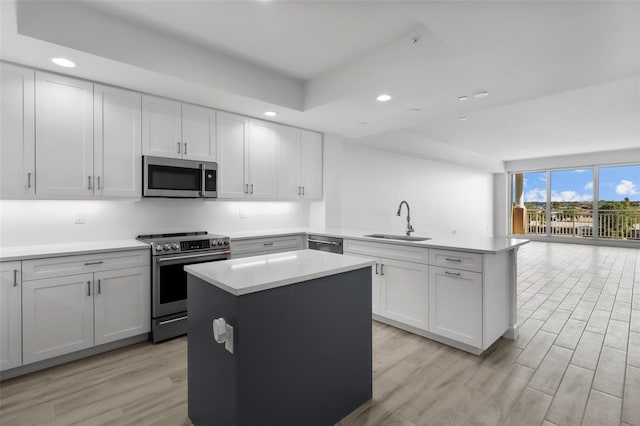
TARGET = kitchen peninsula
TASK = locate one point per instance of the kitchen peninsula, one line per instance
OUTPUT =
(279, 339)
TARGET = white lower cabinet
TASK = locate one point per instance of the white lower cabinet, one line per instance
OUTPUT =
(404, 292)
(105, 302)
(57, 316)
(10, 315)
(455, 304)
(269, 245)
(121, 304)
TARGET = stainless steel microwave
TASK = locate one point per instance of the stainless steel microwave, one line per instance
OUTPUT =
(176, 178)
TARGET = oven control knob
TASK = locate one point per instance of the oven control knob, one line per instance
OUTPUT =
(220, 242)
(175, 246)
(167, 247)
(159, 247)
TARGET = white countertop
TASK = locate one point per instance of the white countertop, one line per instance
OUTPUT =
(486, 245)
(66, 249)
(257, 273)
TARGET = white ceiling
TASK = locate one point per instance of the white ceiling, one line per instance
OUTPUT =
(563, 77)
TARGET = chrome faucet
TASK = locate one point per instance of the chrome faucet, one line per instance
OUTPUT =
(409, 227)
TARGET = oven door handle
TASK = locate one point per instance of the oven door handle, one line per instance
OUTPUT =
(192, 256)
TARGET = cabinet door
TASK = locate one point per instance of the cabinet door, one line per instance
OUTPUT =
(10, 315)
(57, 316)
(198, 133)
(64, 136)
(122, 304)
(405, 292)
(263, 160)
(117, 142)
(289, 186)
(311, 160)
(161, 127)
(17, 132)
(375, 282)
(232, 134)
(455, 305)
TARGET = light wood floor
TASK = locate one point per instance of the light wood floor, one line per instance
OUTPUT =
(577, 361)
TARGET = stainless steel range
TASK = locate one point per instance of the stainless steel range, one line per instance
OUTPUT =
(169, 254)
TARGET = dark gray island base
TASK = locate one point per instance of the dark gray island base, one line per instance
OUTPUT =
(302, 352)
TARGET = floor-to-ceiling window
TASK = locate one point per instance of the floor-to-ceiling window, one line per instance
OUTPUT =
(619, 205)
(562, 203)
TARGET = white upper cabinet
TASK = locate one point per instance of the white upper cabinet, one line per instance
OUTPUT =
(311, 164)
(117, 148)
(232, 141)
(300, 164)
(289, 185)
(175, 130)
(161, 127)
(64, 136)
(17, 137)
(10, 315)
(198, 133)
(263, 160)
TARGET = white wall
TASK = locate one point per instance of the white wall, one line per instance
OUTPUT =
(44, 222)
(442, 197)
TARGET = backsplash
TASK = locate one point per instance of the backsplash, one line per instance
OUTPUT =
(47, 221)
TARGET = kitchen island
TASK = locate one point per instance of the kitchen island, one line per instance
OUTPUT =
(291, 343)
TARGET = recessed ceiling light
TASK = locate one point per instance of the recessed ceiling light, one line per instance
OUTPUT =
(415, 110)
(481, 94)
(363, 123)
(463, 98)
(463, 118)
(384, 98)
(63, 62)
(528, 148)
(270, 114)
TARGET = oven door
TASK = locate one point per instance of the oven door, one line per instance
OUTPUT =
(169, 290)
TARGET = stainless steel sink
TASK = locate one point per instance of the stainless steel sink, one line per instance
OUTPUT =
(397, 237)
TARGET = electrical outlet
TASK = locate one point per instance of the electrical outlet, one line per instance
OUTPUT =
(241, 213)
(79, 219)
(454, 231)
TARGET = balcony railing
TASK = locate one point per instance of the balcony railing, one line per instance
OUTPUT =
(612, 224)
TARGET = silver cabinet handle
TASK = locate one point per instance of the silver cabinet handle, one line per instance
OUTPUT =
(99, 287)
(88, 288)
(15, 277)
(185, 148)
(89, 186)
(252, 188)
(457, 274)
(178, 147)
(267, 244)
(99, 262)
(29, 180)
(303, 190)
(382, 269)
(377, 269)
(448, 259)
(98, 183)
(246, 188)
(299, 190)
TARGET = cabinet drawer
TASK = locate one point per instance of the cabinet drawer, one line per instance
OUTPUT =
(265, 245)
(390, 251)
(71, 265)
(456, 259)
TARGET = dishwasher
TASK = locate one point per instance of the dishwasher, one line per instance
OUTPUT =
(323, 243)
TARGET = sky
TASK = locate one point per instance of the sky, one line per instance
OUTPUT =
(615, 183)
